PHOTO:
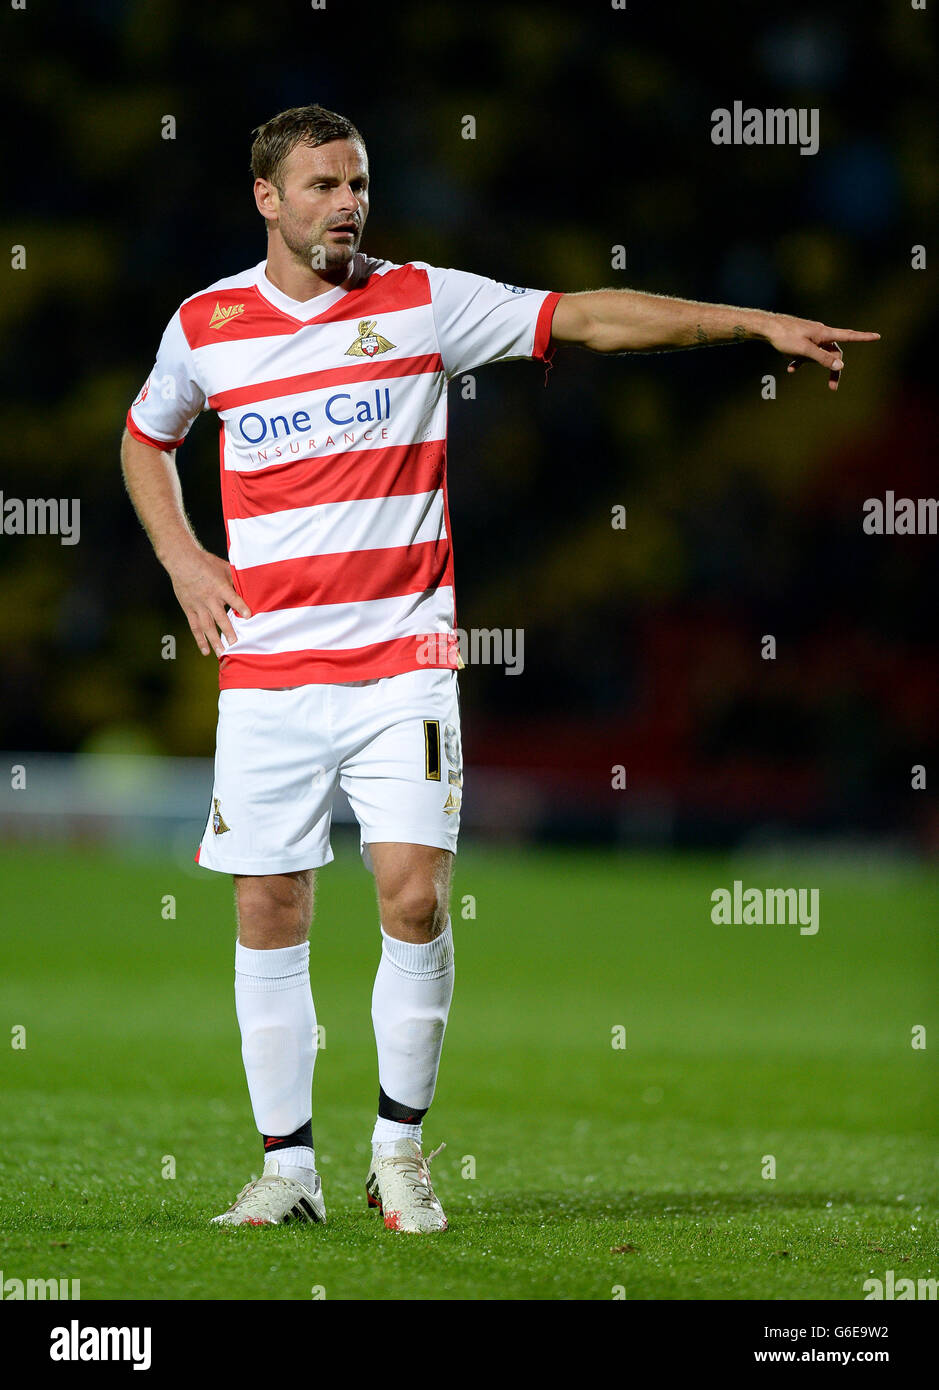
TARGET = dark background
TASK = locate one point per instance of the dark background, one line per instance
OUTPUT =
(642, 647)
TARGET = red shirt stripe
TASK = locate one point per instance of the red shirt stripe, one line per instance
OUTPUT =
(253, 317)
(283, 669)
(334, 376)
(405, 288)
(398, 470)
(352, 577)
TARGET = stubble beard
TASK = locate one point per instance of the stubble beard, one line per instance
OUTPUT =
(315, 250)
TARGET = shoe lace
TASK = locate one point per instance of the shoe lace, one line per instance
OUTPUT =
(416, 1173)
(251, 1188)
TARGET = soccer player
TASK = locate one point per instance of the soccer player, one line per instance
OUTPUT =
(333, 618)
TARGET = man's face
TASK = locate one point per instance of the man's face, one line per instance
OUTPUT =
(322, 210)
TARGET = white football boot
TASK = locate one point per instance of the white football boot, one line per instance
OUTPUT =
(398, 1184)
(273, 1200)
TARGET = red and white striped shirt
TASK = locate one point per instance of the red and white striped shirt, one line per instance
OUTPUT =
(333, 455)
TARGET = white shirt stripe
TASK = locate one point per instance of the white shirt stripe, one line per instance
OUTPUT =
(372, 523)
(339, 626)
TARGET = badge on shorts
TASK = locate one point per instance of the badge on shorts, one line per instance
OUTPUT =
(218, 825)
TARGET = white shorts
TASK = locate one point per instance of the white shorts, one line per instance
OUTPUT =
(392, 744)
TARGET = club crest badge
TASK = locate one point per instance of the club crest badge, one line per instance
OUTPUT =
(368, 343)
(218, 824)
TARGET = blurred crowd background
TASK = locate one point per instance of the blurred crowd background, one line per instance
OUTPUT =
(744, 515)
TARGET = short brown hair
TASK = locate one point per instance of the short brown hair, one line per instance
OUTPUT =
(301, 125)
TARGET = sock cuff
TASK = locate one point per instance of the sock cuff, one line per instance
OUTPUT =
(389, 1132)
(282, 968)
(424, 960)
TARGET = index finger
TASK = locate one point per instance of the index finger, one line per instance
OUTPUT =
(235, 601)
(852, 335)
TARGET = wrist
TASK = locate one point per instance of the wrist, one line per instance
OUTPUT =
(758, 323)
(176, 554)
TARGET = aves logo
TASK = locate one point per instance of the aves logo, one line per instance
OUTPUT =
(218, 824)
(368, 343)
(221, 316)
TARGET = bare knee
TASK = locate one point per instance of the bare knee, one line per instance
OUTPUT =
(413, 884)
(274, 910)
(413, 913)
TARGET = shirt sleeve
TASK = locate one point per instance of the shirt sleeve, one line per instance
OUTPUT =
(171, 397)
(481, 321)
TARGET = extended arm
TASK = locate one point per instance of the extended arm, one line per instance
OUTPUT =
(629, 321)
(202, 581)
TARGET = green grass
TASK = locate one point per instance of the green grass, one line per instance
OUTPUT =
(740, 1042)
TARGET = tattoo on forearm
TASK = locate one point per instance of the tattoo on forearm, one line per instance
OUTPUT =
(738, 335)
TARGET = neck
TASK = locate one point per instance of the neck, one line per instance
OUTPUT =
(298, 281)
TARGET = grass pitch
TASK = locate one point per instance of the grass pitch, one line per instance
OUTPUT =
(574, 1169)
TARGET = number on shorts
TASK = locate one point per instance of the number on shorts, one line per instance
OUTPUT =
(432, 750)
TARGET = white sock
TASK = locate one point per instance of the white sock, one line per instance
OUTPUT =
(297, 1162)
(278, 1042)
(410, 1004)
(387, 1133)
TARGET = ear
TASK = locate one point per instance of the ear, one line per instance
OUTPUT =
(267, 199)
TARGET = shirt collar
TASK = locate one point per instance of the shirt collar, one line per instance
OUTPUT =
(306, 309)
